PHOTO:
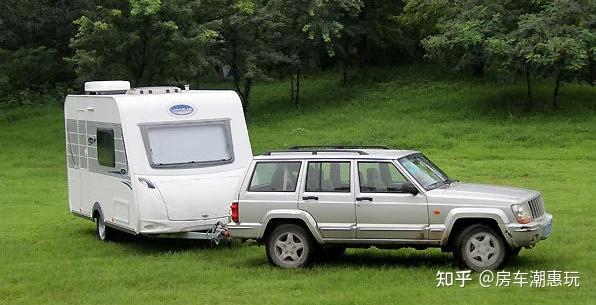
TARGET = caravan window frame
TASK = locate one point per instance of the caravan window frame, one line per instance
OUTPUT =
(145, 127)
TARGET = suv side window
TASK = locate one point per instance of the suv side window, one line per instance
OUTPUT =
(274, 177)
(380, 177)
(331, 176)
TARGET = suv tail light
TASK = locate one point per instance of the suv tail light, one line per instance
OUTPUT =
(234, 208)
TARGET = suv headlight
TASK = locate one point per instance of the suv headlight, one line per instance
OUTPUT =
(522, 213)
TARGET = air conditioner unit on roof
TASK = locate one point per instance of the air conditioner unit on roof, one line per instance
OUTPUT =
(107, 87)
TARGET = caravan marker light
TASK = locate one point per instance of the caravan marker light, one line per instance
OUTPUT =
(181, 109)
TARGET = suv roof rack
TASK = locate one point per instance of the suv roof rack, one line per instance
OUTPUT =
(298, 147)
(314, 151)
(329, 148)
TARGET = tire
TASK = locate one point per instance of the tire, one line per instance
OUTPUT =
(289, 246)
(480, 248)
(103, 232)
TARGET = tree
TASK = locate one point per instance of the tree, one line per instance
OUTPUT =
(41, 23)
(463, 33)
(248, 43)
(311, 25)
(291, 16)
(386, 40)
(34, 39)
(557, 42)
(420, 18)
(143, 40)
(335, 26)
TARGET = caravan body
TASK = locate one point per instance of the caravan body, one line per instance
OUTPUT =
(154, 160)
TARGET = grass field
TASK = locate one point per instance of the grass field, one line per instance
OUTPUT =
(475, 131)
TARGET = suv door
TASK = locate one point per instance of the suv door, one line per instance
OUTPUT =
(327, 194)
(383, 209)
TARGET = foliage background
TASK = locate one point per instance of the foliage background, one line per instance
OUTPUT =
(48, 46)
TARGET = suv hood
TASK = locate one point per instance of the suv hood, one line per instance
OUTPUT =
(484, 192)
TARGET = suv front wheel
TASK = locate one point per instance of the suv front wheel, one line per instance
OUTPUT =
(480, 248)
(289, 246)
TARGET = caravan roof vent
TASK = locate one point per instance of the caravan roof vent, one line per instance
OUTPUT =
(154, 90)
(107, 87)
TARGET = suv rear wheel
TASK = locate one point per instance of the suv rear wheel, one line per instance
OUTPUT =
(480, 248)
(289, 246)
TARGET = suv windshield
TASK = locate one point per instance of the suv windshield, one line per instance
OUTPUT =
(424, 171)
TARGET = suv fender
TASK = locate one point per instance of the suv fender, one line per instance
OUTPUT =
(309, 221)
(478, 213)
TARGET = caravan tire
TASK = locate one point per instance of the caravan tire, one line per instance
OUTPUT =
(102, 231)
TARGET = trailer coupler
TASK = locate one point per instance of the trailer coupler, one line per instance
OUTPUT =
(216, 234)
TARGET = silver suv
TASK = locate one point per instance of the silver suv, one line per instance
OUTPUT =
(310, 201)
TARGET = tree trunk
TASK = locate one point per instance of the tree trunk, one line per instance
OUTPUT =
(591, 78)
(529, 85)
(245, 95)
(556, 91)
(297, 96)
(344, 75)
(292, 87)
(236, 74)
(479, 69)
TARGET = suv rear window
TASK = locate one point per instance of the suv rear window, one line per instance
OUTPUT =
(274, 177)
(328, 177)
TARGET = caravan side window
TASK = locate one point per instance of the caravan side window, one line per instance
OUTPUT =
(274, 177)
(106, 154)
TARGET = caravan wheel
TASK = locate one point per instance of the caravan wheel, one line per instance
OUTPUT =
(103, 232)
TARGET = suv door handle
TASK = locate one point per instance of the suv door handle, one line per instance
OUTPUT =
(310, 198)
(364, 199)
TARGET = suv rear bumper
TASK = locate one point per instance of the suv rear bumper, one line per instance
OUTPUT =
(244, 230)
(527, 235)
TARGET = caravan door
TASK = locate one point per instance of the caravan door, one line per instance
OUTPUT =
(108, 179)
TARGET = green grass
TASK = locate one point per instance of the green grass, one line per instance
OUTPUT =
(475, 131)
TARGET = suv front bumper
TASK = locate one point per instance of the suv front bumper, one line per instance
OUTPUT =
(527, 235)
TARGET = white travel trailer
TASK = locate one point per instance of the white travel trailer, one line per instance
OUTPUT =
(157, 161)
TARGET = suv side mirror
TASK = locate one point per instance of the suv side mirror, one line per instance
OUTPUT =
(409, 187)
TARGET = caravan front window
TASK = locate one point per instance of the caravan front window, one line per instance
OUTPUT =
(188, 144)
